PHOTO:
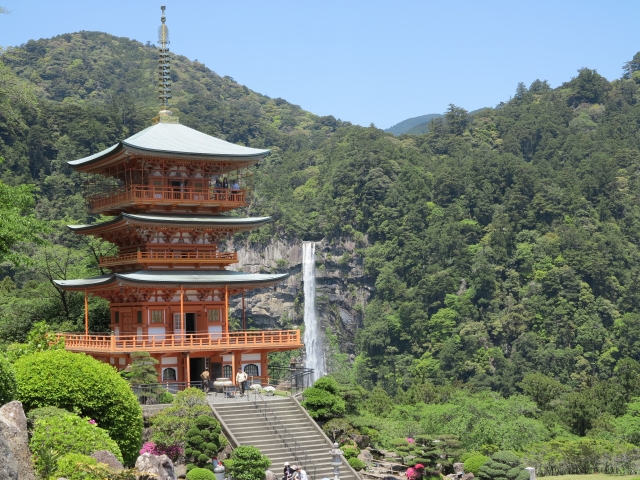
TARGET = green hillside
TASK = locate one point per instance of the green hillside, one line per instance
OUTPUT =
(410, 123)
(500, 243)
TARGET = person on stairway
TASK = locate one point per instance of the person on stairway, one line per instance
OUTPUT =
(302, 473)
(296, 473)
(288, 472)
(241, 380)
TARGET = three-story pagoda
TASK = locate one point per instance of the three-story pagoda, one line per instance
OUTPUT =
(167, 187)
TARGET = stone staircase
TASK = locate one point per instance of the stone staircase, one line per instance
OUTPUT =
(271, 426)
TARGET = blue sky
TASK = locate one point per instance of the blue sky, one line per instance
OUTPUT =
(364, 61)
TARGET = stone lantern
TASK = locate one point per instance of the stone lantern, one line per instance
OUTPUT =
(336, 460)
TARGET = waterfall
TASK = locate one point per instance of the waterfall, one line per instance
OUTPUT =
(314, 354)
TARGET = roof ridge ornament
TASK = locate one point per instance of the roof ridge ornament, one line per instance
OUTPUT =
(164, 73)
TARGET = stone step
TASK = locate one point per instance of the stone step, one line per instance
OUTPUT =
(249, 426)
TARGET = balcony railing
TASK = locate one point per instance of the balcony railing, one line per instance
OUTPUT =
(185, 196)
(179, 342)
(169, 257)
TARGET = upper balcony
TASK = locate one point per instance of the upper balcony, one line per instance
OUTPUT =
(168, 199)
(170, 259)
(274, 340)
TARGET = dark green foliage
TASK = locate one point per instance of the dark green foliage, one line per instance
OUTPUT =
(78, 382)
(322, 405)
(248, 463)
(202, 442)
(378, 402)
(200, 474)
(503, 465)
(8, 383)
(69, 434)
(322, 401)
(357, 464)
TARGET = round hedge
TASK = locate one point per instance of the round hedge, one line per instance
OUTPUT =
(474, 462)
(201, 474)
(78, 382)
(8, 384)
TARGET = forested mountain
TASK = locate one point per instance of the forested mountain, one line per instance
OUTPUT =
(406, 125)
(499, 244)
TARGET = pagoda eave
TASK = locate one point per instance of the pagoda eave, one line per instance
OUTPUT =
(175, 279)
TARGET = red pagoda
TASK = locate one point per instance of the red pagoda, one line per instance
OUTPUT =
(167, 187)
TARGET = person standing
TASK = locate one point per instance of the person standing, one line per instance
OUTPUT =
(241, 380)
(205, 381)
(302, 473)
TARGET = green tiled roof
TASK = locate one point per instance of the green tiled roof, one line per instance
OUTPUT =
(174, 138)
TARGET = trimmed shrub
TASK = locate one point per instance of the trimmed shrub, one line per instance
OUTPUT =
(44, 412)
(357, 464)
(504, 466)
(350, 451)
(248, 463)
(8, 383)
(203, 442)
(76, 381)
(71, 434)
(200, 474)
(165, 397)
(73, 466)
(474, 462)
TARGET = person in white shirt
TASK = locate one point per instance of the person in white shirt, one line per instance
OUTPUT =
(302, 474)
(241, 380)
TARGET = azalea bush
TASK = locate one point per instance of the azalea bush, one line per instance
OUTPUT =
(174, 452)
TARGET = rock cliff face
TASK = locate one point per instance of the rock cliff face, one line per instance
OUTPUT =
(342, 289)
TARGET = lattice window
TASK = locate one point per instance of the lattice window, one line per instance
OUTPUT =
(169, 375)
(213, 315)
(251, 370)
(227, 371)
(156, 316)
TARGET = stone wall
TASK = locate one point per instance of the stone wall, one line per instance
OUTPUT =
(342, 289)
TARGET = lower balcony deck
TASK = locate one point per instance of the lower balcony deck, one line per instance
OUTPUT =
(272, 340)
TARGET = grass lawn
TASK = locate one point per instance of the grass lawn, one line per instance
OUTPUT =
(594, 476)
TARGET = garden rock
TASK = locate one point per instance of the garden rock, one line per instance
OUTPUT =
(362, 441)
(365, 456)
(467, 476)
(13, 427)
(9, 467)
(458, 467)
(108, 458)
(152, 467)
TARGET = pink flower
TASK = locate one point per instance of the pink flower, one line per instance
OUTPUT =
(93, 422)
(410, 440)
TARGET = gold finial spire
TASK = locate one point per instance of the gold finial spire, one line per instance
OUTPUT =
(164, 72)
(164, 65)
